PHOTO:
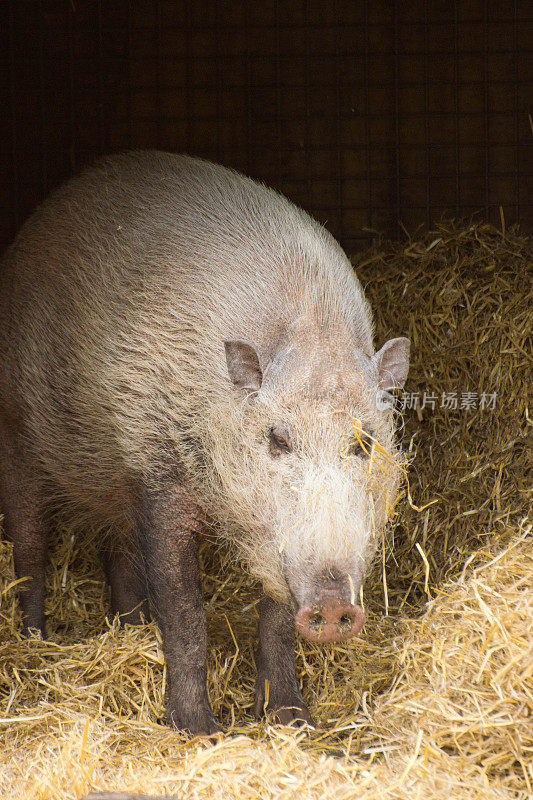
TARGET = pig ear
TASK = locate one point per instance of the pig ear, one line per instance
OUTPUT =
(392, 363)
(243, 365)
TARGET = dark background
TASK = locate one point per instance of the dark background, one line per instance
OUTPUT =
(370, 114)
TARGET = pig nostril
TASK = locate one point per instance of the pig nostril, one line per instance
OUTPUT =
(316, 622)
(345, 622)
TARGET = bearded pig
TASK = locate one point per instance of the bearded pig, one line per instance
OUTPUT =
(180, 347)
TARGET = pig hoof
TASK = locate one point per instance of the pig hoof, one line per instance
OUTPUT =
(197, 725)
(289, 710)
(297, 716)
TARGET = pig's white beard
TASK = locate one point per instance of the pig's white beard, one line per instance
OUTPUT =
(329, 522)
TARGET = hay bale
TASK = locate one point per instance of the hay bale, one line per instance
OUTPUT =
(431, 701)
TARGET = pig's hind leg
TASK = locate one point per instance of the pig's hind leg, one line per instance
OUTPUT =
(168, 528)
(275, 664)
(25, 525)
(125, 574)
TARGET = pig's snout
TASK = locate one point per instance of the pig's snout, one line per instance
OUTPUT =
(329, 620)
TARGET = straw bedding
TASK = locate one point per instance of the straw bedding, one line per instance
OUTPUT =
(435, 698)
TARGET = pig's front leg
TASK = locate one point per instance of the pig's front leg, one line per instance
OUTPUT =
(168, 530)
(275, 664)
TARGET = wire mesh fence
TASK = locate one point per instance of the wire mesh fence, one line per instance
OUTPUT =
(375, 115)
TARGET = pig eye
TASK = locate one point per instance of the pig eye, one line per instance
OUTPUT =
(361, 447)
(280, 442)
